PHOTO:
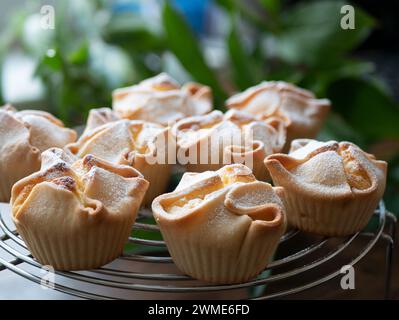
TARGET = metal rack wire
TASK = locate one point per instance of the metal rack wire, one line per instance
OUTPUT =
(149, 272)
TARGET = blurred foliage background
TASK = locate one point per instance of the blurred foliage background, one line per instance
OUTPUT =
(97, 46)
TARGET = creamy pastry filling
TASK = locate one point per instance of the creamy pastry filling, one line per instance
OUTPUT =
(196, 130)
(138, 135)
(60, 175)
(165, 86)
(227, 175)
(357, 176)
(22, 196)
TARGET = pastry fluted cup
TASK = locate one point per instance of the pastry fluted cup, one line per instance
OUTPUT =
(208, 142)
(332, 188)
(221, 227)
(99, 116)
(140, 144)
(301, 111)
(77, 214)
(162, 100)
(23, 136)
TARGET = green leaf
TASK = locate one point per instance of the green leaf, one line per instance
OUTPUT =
(226, 4)
(184, 45)
(336, 128)
(261, 19)
(271, 6)
(285, 72)
(319, 79)
(312, 33)
(49, 63)
(132, 34)
(366, 107)
(79, 56)
(242, 68)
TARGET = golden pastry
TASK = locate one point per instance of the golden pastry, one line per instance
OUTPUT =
(23, 136)
(210, 141)
(100, 116)
(302, 113)
(331, 188)
(222, 226)
(76, 215)
(142, 145)
(162, 100)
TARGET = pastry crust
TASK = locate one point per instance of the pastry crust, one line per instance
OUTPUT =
(134, 143)
(23, 136)
(302, 113)
(162, 100)
(76, 214)
(221, 226)
(213, 140)
(98, 117)
(332, 188)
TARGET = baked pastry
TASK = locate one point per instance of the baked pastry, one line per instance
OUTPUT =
(162, 100)
(76, 215)
(23, 136)
(208, 142)
(302, 113)
(100, 116)
(332, 188)
(140, 144)
(222, 226)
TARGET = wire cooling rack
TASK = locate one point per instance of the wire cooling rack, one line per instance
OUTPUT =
(148, 271)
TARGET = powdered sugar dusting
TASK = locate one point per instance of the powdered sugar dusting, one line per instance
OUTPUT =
(162, 100)
(331, 167)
